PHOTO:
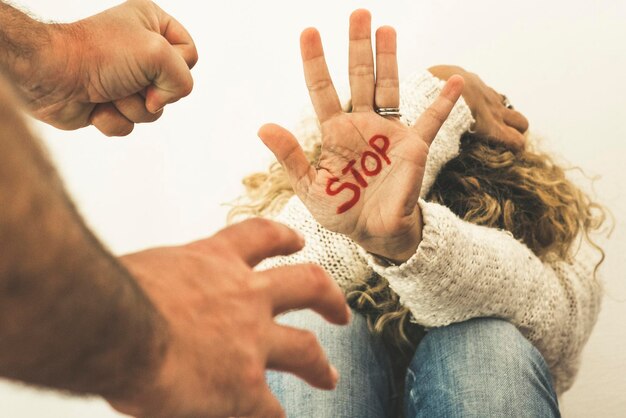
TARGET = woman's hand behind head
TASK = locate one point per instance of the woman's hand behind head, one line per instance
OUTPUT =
(495, 117)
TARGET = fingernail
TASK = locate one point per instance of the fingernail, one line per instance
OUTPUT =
(302, 239)
(349, 316)
(335, 375)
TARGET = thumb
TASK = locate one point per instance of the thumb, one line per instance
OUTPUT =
(289, 154)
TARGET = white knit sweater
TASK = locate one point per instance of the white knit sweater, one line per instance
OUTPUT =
(461, 270)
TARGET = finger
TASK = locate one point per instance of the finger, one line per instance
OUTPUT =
(387, 85)
(306, 286)
(178, 37)
(134, 109)
(516, 120)
(268, 406)
(171, 80)
(511, 137)
(110, 121)
(318, 81)
(361, 61)
(429, 122)
(257, 239)
(299, 352)
(289, 154)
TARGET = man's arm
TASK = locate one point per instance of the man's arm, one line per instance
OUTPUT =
(196, 343)
(71, 317)
(21, 40)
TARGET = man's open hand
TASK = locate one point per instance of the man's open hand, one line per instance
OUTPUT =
(221, 322)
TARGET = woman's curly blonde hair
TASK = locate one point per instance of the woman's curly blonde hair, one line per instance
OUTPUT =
(524, 192)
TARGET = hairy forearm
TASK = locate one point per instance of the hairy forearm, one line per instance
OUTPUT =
(71, 317)
(21, 40)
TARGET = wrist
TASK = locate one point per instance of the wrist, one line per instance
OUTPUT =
(147, 396)
(22, 39)
(149, 390)
(399, 247)
(145, 388)
(57, 64)
(397, 255)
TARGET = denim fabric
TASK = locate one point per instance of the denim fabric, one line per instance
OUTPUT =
(479, 368)
(365, 384)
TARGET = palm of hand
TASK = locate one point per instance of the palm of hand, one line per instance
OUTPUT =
(366, 183)
(368, 179)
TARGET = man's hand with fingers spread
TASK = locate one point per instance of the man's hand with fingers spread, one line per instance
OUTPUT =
(220, 315)
(367, 182)
(112, 70)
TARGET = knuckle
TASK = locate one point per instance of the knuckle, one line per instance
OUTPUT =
(156, 48)
(141, 3)
(251, 387)
(253, 379)
(501, 134)
(435, 114)
(308, 340)
(186, 86)
(268, 229)
(216, 246)
(319, 85)
(261, 285)
(387, 82)
(310, 354)
(318, 279)
(362, 70)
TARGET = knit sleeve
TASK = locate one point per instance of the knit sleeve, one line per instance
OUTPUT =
(336, 253)
(462, 271)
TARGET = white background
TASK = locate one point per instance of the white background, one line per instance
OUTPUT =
(562, 63)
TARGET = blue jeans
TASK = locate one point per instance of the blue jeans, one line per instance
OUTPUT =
(482, 367)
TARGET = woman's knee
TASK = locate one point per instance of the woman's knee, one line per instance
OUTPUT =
(480, 367)
(365, 387)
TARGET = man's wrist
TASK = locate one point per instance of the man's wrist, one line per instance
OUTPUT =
(39, 58)
(150, 355)
(71, 316)
(22, 40)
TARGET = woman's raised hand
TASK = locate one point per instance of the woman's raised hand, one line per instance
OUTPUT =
(367, 182)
